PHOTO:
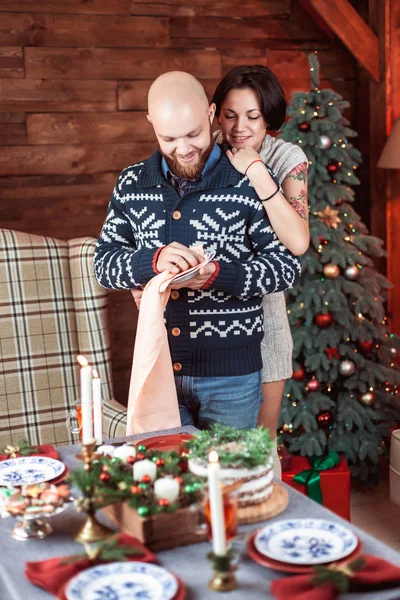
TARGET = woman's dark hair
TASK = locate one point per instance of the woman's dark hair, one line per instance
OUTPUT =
(264, 83)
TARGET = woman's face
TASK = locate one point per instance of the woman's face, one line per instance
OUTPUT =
(241, 120)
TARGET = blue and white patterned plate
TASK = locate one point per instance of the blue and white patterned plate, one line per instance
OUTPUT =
(29, 469)
(123, 581)
(305, 541)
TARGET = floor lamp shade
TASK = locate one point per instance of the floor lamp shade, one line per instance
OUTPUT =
(390, 157)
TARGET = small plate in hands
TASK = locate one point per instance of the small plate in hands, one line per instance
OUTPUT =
(209, 255)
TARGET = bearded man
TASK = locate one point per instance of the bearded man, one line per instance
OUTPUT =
(188, 193)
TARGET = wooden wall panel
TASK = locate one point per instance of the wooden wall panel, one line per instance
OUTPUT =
(74, 76)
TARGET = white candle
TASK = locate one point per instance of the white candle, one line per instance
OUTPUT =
(97, 408)
(124, 452)
(216, 505)
(86, 400)
(167, 488)
(144, 467)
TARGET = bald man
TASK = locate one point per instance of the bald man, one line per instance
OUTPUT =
(188, 193)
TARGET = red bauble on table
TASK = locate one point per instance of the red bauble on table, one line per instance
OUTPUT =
(365, 346)
(140, 456)
(305, 126)
(163, 502)
(179, 480)
(299, 375)
(130, 460)
(135, 490)
(146, 479)
(323, 321)
(160, 462)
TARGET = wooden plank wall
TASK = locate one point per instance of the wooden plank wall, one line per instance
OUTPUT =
(73, 81)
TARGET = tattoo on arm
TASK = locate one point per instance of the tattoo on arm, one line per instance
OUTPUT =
(300, 204)
(299, 172)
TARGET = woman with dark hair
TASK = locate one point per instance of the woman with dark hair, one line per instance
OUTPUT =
(250, 102)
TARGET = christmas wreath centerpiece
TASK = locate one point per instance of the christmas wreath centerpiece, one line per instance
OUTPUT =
(243, 455)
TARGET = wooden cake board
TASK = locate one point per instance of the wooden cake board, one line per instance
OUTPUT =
(275, 504)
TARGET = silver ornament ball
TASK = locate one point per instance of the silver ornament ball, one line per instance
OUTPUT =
(347, 368)
(351, 272)
(325, 142)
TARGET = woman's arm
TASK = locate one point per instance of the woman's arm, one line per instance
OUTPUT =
(288, 212)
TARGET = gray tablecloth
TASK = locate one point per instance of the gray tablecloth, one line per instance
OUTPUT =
(189, 562)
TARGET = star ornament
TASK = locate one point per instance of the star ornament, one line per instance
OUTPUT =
(329, 217)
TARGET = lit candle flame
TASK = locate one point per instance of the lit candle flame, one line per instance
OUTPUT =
(213, 457)
(95, 374)
(82, 360)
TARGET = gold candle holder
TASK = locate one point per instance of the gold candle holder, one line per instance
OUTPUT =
(224, 579)
(92, 531)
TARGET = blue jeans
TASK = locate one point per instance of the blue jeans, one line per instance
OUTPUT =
(233, 401)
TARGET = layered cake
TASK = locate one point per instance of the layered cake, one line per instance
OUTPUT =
(244, 455)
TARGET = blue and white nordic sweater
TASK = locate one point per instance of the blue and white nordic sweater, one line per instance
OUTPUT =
(221, 327)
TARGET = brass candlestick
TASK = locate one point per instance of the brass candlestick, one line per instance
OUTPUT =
(223, 579)
(92, 531)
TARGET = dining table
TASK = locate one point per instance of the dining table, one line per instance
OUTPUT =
(188, 562)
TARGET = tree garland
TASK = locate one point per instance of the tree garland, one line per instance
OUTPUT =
(242, 448)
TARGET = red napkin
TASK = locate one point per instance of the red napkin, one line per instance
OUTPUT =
(376, 574)
(53, 575)
(45, 450)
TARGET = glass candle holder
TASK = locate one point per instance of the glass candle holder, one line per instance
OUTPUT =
(230, 506)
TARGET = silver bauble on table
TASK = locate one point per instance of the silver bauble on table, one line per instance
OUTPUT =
(347, 368)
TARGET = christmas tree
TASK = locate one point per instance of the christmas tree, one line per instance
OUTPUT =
(343, 394)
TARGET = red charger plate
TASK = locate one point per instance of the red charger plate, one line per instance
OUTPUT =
(270, 563)
(174, 441)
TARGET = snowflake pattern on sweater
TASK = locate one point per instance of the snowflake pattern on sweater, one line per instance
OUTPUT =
(221, 327)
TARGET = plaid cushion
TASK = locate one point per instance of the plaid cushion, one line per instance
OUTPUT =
(44, 319)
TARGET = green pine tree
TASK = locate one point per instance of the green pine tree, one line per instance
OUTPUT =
(343, 395)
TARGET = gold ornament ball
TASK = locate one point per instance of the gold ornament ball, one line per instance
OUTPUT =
(331, 271)
(352, 272)
(347, 368)
(368, 399)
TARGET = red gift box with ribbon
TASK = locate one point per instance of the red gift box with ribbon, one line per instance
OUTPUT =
(325, 479)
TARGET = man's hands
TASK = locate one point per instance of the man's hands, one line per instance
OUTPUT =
(197, 281)
(176, 258)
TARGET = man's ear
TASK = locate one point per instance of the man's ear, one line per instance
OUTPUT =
(211, 111)
(148, 118)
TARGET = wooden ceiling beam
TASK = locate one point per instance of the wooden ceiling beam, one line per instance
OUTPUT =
(354, 32)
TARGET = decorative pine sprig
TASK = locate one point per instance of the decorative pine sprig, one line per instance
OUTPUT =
(22, 447)
(339, 576)
(107, 550)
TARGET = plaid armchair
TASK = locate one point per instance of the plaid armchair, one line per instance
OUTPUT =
(51, 309)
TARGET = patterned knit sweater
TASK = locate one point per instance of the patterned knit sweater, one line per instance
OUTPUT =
(220, 328)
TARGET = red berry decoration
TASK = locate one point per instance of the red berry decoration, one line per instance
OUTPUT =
(135, 489)
(332, 167)
(313, 385)
(179, 480)
(160, 462)
(104, 477)
(325, 419)
(365, 346)
(140, 456)
(130, 460)
(299, 375)
(163, 502)
(323, 321)
(146, 479)
(322, 240)
(305, 126)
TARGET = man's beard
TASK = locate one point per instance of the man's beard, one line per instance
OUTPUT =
(190, 171)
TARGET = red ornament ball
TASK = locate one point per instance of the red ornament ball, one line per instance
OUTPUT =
(332, 167)
(312, 385)
(299, 375)
(135, 489)
(146, 479)
(325, 419)
(322, 240)
(365, 346)
(160, 462)
(323, 321)
(305, 126)
(130, 460)
(104, 477)
(140, 456)
(179, 480)
(163, 502)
